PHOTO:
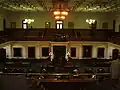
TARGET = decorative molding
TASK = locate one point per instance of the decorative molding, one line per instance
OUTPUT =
(72, 5)
(59, 43)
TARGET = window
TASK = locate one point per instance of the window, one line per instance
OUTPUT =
(70, 25)
(13, 24)
(24, 25)
(100, 53)
(47, 25)
(45, 51)
(31, 52)
(59, 24)
(73, 52)
(105, 25)
(17, 52)
(87, 51)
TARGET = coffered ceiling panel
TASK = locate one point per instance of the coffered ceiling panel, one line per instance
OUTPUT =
(26, 5)
(72, 5)
(95, 5)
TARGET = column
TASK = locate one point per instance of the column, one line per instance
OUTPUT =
(40, 51)
(25, 52)
(106, 52)
(77, 52)
(51, 51)
(80, 52)
(37, 52)
(10, 51)
(52, 54)
(94, 51)
(67, 52)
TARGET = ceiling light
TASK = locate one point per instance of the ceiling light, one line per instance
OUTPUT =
(64, 13)
(60, 14)
(62, 17)
(57, 17)
(56, 12)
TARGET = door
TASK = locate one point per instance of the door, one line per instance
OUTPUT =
(87, 51)
(59, 55)
(115, 54)
(31, 52)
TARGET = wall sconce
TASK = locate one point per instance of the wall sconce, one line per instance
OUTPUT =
(29, 21)
(90, 21)
(25, 23)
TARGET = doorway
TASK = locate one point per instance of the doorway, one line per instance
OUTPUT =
(31, 52)
(59, 55)
(115, 54)
(87, 51)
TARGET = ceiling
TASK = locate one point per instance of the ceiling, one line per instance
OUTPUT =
(72, 5)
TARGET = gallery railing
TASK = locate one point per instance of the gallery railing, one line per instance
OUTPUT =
(19, 34)
(63, 77)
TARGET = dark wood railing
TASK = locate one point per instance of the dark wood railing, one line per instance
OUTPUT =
(19, 34)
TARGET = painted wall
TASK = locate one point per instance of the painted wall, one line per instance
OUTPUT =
(117, 22)
(2, 16)
(39, 17)
(79, 19)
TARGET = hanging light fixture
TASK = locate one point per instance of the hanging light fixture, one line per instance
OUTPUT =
(57, 17)
(56, 12)
(64, 13)
(62, 17)
(60, 14)
(90, 21)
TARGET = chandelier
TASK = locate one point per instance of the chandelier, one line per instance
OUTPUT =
(60, 14)
(90, 21)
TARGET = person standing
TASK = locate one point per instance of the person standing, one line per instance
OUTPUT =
(115, 72)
